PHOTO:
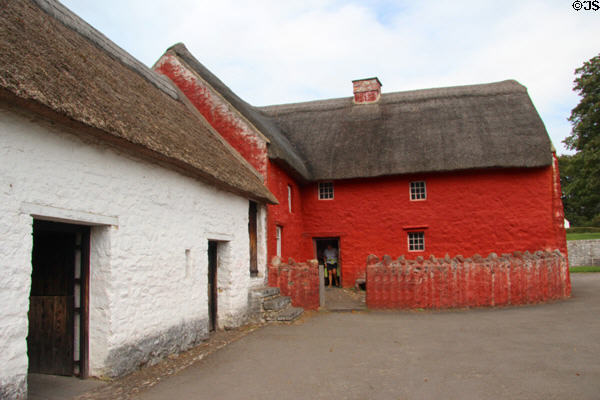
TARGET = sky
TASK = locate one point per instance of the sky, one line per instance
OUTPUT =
(274, 51)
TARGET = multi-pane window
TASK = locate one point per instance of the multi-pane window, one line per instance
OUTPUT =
(325, 190)
(416, 241)
(418, 191)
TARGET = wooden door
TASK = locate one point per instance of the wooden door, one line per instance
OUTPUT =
(253, 234)
(212, 285)
(58, 302)
(51, 323)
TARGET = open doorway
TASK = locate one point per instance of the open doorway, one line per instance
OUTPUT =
(320, 245)
(57, 341)
(212, 284)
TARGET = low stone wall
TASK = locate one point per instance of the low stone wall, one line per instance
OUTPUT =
(584, 252)
(519, 278)
(300, 281)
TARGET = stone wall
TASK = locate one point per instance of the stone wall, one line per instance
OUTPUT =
(584, 252)
(148, 250)
(299, 281)
(519, 278)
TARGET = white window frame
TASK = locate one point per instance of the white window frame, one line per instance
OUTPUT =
(417, 190)
(278, 238)
(418, 243)
(326, 188)
(289, 187)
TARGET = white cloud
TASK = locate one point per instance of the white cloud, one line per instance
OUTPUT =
(271, 51)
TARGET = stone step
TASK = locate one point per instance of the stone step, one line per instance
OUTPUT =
(276, 303)
(286, 315)
(265, 292)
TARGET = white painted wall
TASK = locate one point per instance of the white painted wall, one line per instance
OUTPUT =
(138, 282)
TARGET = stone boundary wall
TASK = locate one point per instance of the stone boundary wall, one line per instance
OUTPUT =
(584, 252)
(300, 281)
(519, 278)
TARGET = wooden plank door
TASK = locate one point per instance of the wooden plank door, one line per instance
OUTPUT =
(212, 285)
(51, 310)
(253, 235)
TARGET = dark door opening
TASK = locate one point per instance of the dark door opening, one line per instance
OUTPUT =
(320, 246)
(212, 284)
(57, 341)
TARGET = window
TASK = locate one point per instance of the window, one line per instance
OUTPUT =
(325, 190)
(417, 190)
(416, 241)
(289, 198)
(278, 236)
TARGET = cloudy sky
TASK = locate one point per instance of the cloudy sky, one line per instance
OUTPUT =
(274, 51)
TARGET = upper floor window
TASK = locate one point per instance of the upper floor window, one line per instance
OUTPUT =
(418, 190)
(290, 198)
(416, 241)
(325, 190)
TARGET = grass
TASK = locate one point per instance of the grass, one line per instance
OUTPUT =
(583, 236)
(584, 269)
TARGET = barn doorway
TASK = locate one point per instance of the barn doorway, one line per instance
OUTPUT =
(57, 341)
(320, 244)
(213, 260)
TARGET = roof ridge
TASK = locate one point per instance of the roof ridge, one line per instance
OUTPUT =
(481, 89)
(72, 21)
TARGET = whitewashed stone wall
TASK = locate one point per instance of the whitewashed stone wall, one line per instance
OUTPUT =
(148, 258)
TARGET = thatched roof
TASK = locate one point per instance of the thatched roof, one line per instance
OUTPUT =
(457, 128)
(54, 63)
(280, 149)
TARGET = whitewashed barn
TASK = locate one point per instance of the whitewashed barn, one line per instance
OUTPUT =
(117, 203)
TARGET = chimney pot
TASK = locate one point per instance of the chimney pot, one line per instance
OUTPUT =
(366, 90)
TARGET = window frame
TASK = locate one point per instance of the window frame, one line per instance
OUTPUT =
(415, 192)
(278, 240)
(416, 241)
(330, 190)
(289, 191)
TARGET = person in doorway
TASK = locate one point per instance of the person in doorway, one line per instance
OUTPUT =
(331, 260)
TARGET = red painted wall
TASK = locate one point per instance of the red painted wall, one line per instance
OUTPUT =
(465, 213)
(299, 281)
(279, 214)
(217, 112)
(449, 283)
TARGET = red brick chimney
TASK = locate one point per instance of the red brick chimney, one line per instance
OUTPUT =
(366, 90)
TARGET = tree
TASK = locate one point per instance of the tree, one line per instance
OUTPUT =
(580, 173)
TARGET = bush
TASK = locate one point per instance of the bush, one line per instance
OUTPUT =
(584, 229)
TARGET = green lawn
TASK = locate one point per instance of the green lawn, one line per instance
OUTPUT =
(582, 236)
(584, 269)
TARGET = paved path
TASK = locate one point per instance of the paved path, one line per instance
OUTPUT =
(549, 351)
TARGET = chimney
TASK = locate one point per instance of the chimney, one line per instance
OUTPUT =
(366, 90)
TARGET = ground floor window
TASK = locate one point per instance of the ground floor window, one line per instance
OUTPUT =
(278, 237)
(416, 241)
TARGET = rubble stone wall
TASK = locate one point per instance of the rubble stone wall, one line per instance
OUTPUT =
(519, 278)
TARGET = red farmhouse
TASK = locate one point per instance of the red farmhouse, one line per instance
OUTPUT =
(451, 171)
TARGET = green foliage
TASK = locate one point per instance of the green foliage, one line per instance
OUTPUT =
(584, 269)
(583, 229)
(580, 173)
(582, 236)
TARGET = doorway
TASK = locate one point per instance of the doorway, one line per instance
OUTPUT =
(320, 244)
(57, 341)
(213, 260)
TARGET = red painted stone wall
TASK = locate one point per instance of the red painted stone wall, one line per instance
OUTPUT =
(299, 281)
(279, 214)
(465, 213)
(230, 124)
(520, 278)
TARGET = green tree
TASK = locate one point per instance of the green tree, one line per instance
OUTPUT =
(580, 173)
